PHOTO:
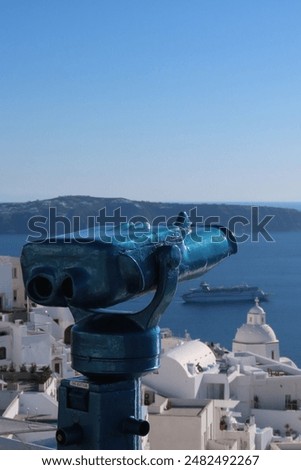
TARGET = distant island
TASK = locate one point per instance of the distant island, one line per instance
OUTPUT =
(14, 217)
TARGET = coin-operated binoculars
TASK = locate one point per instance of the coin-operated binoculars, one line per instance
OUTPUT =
(112, 349)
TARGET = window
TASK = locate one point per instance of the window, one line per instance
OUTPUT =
(287, 399)
(14, 273)
(67, 335)
(2, 353)
(216, 391)
(15, 295)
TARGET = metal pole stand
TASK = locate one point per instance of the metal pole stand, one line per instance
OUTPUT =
(101, 409)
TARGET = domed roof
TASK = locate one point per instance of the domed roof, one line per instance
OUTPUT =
(254, 334)
(193, 351)
(256, 310)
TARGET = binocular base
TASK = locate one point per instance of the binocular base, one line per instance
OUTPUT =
(94, 415)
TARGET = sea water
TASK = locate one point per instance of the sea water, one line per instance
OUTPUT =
(273, 266)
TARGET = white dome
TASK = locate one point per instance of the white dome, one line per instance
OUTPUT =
(256, 310)
(254, 334)
(193, 352)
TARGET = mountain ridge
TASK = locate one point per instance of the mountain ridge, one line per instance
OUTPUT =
(14, 216)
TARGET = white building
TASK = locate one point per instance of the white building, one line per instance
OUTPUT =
(39, 341)
(12, 292)
(201, 424)
(251, 385)
(256, 335)
(27, 419)
(189, 403)
(28, 414)
(186, 361)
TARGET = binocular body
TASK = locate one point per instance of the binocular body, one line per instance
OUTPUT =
(90, 272)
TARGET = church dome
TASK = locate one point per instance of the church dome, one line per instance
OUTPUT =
(256, 310)
(254, 334)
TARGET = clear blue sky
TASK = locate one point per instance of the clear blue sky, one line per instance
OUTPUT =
(163, 100)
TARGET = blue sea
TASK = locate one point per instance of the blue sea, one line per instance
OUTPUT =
(274, 266)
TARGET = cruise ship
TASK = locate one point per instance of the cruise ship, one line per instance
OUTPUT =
(240, 293)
